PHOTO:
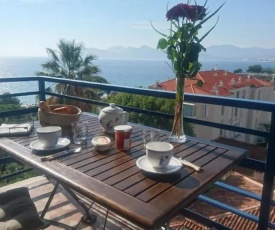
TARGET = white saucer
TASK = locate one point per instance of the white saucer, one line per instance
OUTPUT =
(173, 166)
(62, 143)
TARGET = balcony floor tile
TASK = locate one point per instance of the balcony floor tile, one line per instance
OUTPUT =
(64, 209)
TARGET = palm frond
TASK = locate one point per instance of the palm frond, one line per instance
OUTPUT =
(52, 54)
(40, 73)
(67, 62)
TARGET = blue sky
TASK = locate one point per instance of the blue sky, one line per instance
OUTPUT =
(27, 27)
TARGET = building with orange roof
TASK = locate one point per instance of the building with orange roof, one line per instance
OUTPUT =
(223, 83)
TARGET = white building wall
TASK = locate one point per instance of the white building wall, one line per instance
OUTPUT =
(260, 117)
(206, 112)
(231, 116)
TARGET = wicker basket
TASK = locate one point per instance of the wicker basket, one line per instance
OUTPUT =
(58, 119)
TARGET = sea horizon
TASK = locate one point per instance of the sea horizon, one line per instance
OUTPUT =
(129, 73)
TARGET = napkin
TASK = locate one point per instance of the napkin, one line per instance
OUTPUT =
(15, 129)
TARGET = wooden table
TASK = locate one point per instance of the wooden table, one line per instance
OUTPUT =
(113, 180)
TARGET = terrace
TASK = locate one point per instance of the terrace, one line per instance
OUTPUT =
(232, 198)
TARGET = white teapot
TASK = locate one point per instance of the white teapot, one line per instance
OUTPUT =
(111, 116)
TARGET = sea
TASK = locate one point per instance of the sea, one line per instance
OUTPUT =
(131, 73)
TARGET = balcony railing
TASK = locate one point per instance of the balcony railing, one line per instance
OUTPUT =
(266, 167)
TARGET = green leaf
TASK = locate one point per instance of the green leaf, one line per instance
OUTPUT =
(192, 53)
(162, 44)
(194, 69)
(176, 66)
(169, 52)
(202, 48)
(184, 31)
(182, 47)
(170, 41)
(200, 83)
(185, 64)
(174, 54)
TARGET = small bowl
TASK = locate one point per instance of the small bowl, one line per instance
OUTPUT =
(101, 143)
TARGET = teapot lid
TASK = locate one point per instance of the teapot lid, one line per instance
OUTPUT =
(112, 109)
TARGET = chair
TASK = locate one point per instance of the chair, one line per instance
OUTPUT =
(17, 211)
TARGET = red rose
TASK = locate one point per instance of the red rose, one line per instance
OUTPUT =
(177, 11)
(196, 13)
(192, 12)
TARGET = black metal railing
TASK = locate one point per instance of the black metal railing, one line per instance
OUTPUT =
(266, 167)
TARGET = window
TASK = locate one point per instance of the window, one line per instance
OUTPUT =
(235, 134)
(244, 94)
(259, 94)
(222, 110)
(189, 110)
(204, 111)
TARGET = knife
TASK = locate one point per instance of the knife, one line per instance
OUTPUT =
(60, 154)
(189, 164)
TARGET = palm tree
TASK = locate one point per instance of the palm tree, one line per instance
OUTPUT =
(67, 62)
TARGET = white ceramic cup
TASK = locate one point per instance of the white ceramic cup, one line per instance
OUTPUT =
(48, 136)
(159, 153)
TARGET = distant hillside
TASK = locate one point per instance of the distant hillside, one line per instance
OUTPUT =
(229, 52)
(217, 52)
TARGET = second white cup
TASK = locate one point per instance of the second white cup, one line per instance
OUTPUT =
(48, 136)
(159, 153)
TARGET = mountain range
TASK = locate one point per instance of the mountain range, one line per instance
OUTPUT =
(216, 52)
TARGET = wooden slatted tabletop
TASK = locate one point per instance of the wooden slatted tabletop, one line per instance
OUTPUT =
(113, 180)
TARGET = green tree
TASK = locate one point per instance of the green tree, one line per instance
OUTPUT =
(67, 62)
(268, 70)
(6, 104)
(255, 69)
(9, 100)
(152, 104)
(238, 71)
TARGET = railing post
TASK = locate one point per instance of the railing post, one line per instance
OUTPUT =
(268, 182)
(41, 86)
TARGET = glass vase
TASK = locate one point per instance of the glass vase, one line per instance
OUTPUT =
(177, 133)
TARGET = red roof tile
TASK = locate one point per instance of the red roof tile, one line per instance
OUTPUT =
(215, 82)
(236, 222)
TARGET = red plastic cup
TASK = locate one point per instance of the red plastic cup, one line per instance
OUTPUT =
(123, 136)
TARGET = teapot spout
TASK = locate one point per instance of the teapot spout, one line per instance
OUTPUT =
(98, 109)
